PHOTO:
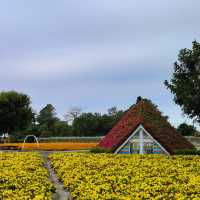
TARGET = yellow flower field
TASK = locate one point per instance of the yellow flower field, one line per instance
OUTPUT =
(128, 177)
(59, 146)
(23, 177)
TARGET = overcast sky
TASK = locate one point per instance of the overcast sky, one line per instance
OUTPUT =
(95, 53)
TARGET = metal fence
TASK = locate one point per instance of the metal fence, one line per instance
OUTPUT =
(69, 139)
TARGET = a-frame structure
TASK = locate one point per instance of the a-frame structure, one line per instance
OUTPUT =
(144, 130)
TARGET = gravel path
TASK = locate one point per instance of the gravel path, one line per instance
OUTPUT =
(60, 193)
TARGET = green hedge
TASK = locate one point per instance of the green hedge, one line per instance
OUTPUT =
(100, 150)
(188, 152)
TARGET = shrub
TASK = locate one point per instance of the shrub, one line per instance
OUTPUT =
(188, 152)
(100, 150)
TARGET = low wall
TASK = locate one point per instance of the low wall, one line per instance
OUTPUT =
(194, 140)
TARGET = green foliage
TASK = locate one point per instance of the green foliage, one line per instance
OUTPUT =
(15, 111)
(185, 81)
(151, 114)
(95, 124)
(86, 123)
(16, 116)
(186, 130)
(188, 152)
(100, 150)
(47, 118)
(48, 125)
(46, 133)
(61, 128)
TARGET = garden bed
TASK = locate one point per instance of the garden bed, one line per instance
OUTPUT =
(57, 146)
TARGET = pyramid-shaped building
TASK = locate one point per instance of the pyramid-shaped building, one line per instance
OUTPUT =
(144, 130)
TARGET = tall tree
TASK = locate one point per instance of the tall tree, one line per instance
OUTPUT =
(15, 111)
(47, 118)
(185, 81)
(72, 114)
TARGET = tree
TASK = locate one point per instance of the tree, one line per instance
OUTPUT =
(86, 124)
(72, 114)
(185, 81)
(112, 111)
(61, 128)
(15, 111)
(96, 124)
(47, 118)
(186, 130)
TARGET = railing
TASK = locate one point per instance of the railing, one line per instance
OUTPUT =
(97, 138)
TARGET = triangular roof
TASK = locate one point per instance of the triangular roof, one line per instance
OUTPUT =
(146, 113)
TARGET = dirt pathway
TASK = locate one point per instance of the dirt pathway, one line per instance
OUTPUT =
(60, 193)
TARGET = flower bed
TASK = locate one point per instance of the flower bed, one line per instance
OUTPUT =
(52, 146)
(108, 176)
(23, 176)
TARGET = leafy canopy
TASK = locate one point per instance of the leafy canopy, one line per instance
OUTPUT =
(47, 117)
(186, 130)
(185, 81)
(15, 111)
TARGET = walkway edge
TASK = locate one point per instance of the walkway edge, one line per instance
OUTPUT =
(60, 193)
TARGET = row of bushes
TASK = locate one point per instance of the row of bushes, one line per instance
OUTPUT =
(188, 152)
(100, 150)
(180, 152)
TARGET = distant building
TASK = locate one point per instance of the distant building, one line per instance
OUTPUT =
(144, 130)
